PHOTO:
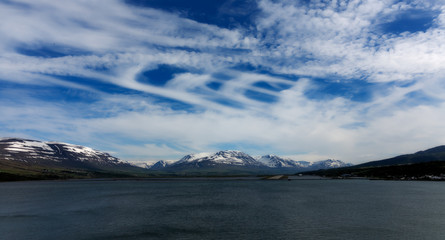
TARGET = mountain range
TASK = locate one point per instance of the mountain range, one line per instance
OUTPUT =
(32, 159)
(238, 162)
(24, 159)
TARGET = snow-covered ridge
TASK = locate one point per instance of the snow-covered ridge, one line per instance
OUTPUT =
(18, 145)
(195, 156)
(274, 161)
(230, 157)
(53, 151)
(330, 163)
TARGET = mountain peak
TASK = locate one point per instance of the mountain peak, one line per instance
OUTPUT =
(160, 164)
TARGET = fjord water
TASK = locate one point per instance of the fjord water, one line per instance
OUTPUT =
(222, 209)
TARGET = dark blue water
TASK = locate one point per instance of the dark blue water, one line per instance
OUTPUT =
(222, 209)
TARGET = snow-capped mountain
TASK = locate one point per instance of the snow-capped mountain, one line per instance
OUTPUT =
(222, 161)
(222, 157)
(274, 161)
(54, 154)
(326, 164)
(160, 164)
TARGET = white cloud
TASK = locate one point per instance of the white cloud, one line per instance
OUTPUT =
(341, 41)
(333, 40)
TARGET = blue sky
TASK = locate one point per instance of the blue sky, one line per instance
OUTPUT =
(158, 79)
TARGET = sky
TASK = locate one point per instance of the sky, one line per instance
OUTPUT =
(159, 79)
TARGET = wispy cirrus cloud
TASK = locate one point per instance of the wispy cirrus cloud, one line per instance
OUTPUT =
(346, 80)
(349, 40)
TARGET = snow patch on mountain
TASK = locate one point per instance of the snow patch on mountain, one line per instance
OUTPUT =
(17, 145)
(80, 149)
